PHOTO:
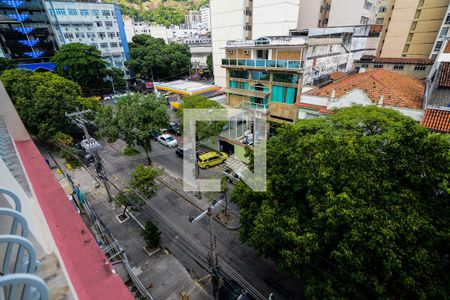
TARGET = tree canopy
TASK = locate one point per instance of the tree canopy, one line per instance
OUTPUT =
(132, 119)
(143, 179)
(204, 130)
(6, 64)
(152, 58)
(42, 99)
(357, 206)
(81, 63)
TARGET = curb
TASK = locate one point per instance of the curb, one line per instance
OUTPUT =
(226, 226)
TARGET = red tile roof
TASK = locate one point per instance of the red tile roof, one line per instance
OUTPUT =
(444, 74)
(337, 75)
(398, 90)
(396, 60)
(318, 108)
(437, 120)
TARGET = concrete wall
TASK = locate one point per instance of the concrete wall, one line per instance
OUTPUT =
(227, 23)
(272, 18)
(349, 12)
(408, 69)
(308, 14)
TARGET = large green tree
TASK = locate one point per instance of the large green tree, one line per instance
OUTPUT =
(83, 64)
(132, 119)
(42, 99)
(6, 64)
(357, 206)
(204, 130)
(152, 58)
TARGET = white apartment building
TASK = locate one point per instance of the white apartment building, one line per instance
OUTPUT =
(199, 19)
(442, 35)
(323, 13)
(206, 17)
(90, 23)
(247, 19)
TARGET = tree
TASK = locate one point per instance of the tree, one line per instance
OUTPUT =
(153, 58)
(117, 77)
(81, 63)
(132, 119)
(6, 64)
(143, 179)
(209, 62)
(151, 234)
(127, 199)
(357, 205)
(204, 130)
(42, 99)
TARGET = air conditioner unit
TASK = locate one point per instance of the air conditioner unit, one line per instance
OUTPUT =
(230, 51)
(247, 52)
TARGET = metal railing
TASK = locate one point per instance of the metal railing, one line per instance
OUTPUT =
(19, 264)
(252, 105)
(264, 63)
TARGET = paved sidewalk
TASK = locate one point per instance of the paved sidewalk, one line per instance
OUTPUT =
(163, 275)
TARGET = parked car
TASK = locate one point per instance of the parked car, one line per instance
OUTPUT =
(154, 135)
(174, 128)
(211, 159)
(231, 290)
(232, 176)
(167, 140)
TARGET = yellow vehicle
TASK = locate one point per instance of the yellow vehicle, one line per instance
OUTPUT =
(210, 159)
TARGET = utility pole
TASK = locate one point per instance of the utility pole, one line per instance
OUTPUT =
(212, 259)
(91, 146)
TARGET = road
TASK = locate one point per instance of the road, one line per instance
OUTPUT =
(172, 212)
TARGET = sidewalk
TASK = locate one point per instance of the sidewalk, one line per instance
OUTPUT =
(163, 275)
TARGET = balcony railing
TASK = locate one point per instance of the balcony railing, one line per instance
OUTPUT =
(19, 260)
(254, 106)
(264, 63)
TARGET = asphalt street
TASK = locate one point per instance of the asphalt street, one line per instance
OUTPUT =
(172, 212)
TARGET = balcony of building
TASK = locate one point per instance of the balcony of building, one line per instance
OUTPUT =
(264, 64)
(46, 250)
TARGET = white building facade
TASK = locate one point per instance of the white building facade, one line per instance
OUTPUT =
(96, 24)
(246, 20)
(442, 35)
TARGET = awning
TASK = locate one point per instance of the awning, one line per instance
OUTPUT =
(249, 93)
(33, 67)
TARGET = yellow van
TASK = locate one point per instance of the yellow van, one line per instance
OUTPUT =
(210, 159)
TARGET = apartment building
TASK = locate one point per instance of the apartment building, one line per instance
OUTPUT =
(418, 68)
(25, 34)
(410, 27)
(442, 35)
(91, 23)
(324, 13)
(199, 19)
(246, 20)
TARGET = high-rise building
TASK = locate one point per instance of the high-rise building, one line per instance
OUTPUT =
(25, 32)
(324, 13)
(410, 27)
(247, 19)
(442, 35)
(91, 23)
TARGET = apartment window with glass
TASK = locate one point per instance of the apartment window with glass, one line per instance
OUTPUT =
(382, 9)
(447, 19)
(90, 34)
(438, 46)
(103, 45)
(285, 77)
(262, 54)
(282, 94)
(94, 45)
(443, 32)
(101, 34)
(50, 11)
(105, 13)
(238, 85)
(367, 5)
(111, 35)
(239, 74)
(398, 67)
(61, 11)
(68, 35)
(377, 66)
(108, 23)
(364, 65)
(380, 21)
(113, 45)
(364, 20)
(95, 12)
(99, 24)
(84, 12)
(419, 68)
(260, 76)
(79, 35)
(72, 12)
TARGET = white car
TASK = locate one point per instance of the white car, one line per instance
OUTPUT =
(167, 140)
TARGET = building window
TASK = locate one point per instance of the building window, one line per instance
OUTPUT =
(382, 9)
(398, 67)
(68, 35)
(342, 67)
(90, 34)
(79, 35)
(239, 74)
(61, 11)
(364, 20)
(284, 77)
(367, 5)
(95, 12)
(380, 21)
(377, 66)
(260, 75)
(420, 68)
(311, 116)
(50, 11)
(364, 65)
(94, 45)
(103, 45)
(72, 12)
(99, 24)
(247, 27)
(101, 34)
(108, 23)
(447, 19)
(262, 54)
(238, 85)
(282, 94)
(111, 35)
(444, 32)
(84, 12)
(438, 46)
(247, 12)
(106, 13)
(113, 45)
